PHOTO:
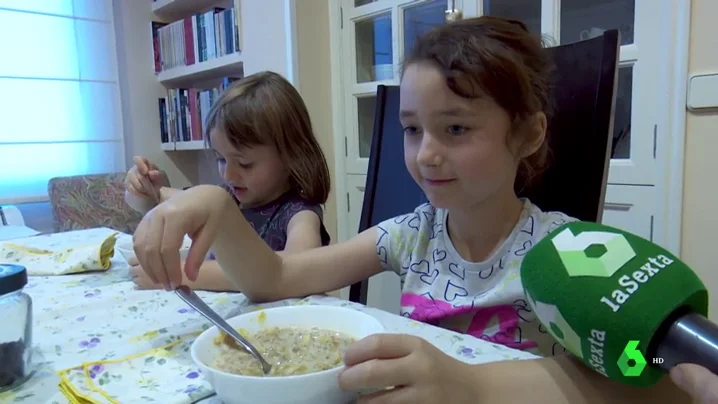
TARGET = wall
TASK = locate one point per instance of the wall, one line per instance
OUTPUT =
(700, 196)
(140, 90)
(315, 85)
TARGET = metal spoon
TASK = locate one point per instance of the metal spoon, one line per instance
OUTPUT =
(187, 294)
(147, 184)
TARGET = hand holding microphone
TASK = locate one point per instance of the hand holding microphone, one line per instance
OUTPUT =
(697, 381)
(626, 307)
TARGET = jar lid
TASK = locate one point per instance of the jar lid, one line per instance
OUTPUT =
(12, 278)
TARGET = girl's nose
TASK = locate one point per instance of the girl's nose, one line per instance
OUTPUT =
(430, 151)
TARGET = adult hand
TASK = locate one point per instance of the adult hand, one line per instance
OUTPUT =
(697, 381)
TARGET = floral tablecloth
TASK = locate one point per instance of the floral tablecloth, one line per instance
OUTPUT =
(101, 316)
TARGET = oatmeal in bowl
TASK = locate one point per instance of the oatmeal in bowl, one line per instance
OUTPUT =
(304, 344)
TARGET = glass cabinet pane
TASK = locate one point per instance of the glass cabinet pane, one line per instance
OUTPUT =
(622, 115)
(358, 3)
(585, 19)
(526, 11)
(365, 116)
(420, 19)
(373, 49)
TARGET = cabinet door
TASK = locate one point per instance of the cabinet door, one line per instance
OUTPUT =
(644, 69)
(375, 36)
(384, 289)
(641, 89)
(630, 208)
(355, 199)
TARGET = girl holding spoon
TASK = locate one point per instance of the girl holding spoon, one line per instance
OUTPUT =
(271, 165)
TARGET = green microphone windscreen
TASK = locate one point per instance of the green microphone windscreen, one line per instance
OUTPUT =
(603, 293)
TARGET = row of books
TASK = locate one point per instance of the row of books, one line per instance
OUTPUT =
(183, 113)
(195, 39)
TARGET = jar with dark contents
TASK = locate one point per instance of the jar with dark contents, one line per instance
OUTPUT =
(16, 328)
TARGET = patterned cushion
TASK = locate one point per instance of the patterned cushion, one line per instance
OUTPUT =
(89, 201)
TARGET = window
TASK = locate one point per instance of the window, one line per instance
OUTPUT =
(60, 110)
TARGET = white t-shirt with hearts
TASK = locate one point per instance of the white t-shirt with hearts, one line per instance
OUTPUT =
(483, 299)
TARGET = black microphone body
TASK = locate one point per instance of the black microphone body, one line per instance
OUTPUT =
(691, 338)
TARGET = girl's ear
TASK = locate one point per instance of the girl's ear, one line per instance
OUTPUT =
(535, 134)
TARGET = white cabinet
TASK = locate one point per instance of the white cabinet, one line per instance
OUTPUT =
(373, 37)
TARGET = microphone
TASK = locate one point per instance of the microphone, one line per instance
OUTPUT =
(626, 307)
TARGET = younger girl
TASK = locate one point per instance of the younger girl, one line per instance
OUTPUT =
(474, 107)
(272, 166)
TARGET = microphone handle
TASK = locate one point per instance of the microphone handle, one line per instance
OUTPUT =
(692, 338)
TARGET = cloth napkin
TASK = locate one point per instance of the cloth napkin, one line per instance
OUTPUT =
(164, 375)
(52, 255)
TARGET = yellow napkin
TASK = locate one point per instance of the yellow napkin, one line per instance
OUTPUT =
(164, 375)
(52, 259)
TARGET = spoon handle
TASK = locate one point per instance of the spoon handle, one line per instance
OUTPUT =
(187, 294)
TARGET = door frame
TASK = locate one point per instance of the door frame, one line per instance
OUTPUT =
(671, 145)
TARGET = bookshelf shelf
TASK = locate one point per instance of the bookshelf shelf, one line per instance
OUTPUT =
(191, 145)
(175, 9)
(228, 65)
(186, 145)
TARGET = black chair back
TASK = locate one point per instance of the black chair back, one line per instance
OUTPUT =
(579, 136)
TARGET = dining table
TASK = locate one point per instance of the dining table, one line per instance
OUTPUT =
(97, 331)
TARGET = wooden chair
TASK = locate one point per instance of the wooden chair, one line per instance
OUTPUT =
(580, 137)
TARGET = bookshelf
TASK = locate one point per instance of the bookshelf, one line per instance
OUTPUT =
(175, 9)
(187, 75)
(197, 52)
(200, 46)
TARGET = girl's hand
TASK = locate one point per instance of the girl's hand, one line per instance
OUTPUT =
(416, 369)
(140, 277)
(195, 212)
(144, 168)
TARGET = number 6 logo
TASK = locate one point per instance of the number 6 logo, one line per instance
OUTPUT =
(631, 353)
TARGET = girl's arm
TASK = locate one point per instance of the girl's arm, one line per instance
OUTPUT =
(302, 234)
(210, 277)
(562, 379)
(143, 205)
(263, 275)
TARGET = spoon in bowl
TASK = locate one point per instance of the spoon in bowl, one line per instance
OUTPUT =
(187, 294)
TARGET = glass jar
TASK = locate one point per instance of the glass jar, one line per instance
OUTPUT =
(16, 327)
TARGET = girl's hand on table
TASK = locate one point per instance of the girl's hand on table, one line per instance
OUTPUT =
(195, 212)
(417, 370)
(140, 277)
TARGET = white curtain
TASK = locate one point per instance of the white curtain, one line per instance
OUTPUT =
(60, 111)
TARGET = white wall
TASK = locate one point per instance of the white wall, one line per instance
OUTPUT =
(700, 197)
(140, 90)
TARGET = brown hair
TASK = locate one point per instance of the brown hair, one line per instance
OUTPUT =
(498, 58)
(266, 109)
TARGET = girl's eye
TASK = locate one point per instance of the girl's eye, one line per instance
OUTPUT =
(411, 130)
(246, 166)
(456, 129)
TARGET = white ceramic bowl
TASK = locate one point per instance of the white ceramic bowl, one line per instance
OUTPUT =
(125, 248)
(311, 388)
